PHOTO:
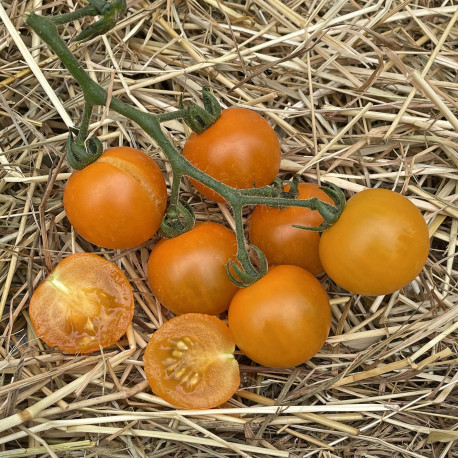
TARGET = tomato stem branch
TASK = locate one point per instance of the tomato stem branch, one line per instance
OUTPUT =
(171, 115)
(85, 121)
(88, 10)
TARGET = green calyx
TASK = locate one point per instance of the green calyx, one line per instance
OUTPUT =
(242, 272)
(178, 219)
(111, 12)
(199, 119)
(329, 212)
(81, 154)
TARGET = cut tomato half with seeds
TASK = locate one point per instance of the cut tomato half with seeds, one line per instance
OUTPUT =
(84, 304)
(189, 362)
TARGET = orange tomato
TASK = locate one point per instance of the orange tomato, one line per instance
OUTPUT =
(189, 362)
(379, 244)
(188, 273)
(85, 303)
(271, 230)
(240, 149)
(283, 319)
(119, 200)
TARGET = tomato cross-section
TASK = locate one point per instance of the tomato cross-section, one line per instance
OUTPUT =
(189, 362)
(84, 304)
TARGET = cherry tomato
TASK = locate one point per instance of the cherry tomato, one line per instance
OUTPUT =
(189, 362)
(119, 200)
(283, 319)
(188, 273)
(379, 244)
(85, 303)
(240, 149)
(271, 230)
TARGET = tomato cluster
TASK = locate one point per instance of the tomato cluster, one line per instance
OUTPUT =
(379, 244)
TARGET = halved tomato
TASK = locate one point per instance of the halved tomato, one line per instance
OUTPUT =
(84, 304)
(189, 362)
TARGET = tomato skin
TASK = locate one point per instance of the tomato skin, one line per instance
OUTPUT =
(187, 273)
(283, 319)
(119, 200)
(379, 244)
(85, 303)
(240, 149)
(189, 362)
(271, 230)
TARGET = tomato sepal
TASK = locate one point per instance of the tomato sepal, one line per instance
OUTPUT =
(200, 119)
(178, 219)
(211, 105)
(247, 273)
(110, 12)
(329, 212)
(82, 154)
(336, 194)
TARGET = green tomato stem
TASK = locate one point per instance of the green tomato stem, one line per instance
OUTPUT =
(88, 10)
(84, 125)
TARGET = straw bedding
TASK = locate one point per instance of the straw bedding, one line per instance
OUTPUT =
(362, 94)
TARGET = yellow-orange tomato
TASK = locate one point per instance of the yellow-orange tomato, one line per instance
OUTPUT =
(271, 230)
(379, 244)
(85, 303)
(283, 319)
(119, 200)
(188, 273)
(189, 362)
(240, 149)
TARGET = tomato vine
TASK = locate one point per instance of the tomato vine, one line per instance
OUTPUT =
(178, 217)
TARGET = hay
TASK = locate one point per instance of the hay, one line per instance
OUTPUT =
(362, 94)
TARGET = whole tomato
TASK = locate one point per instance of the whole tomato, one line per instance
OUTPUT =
(187, 273)
(283, 319)
(189, 362)
(117, 201)
(271, 230)
(84, 304)
(240, 149)
(379, 244)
